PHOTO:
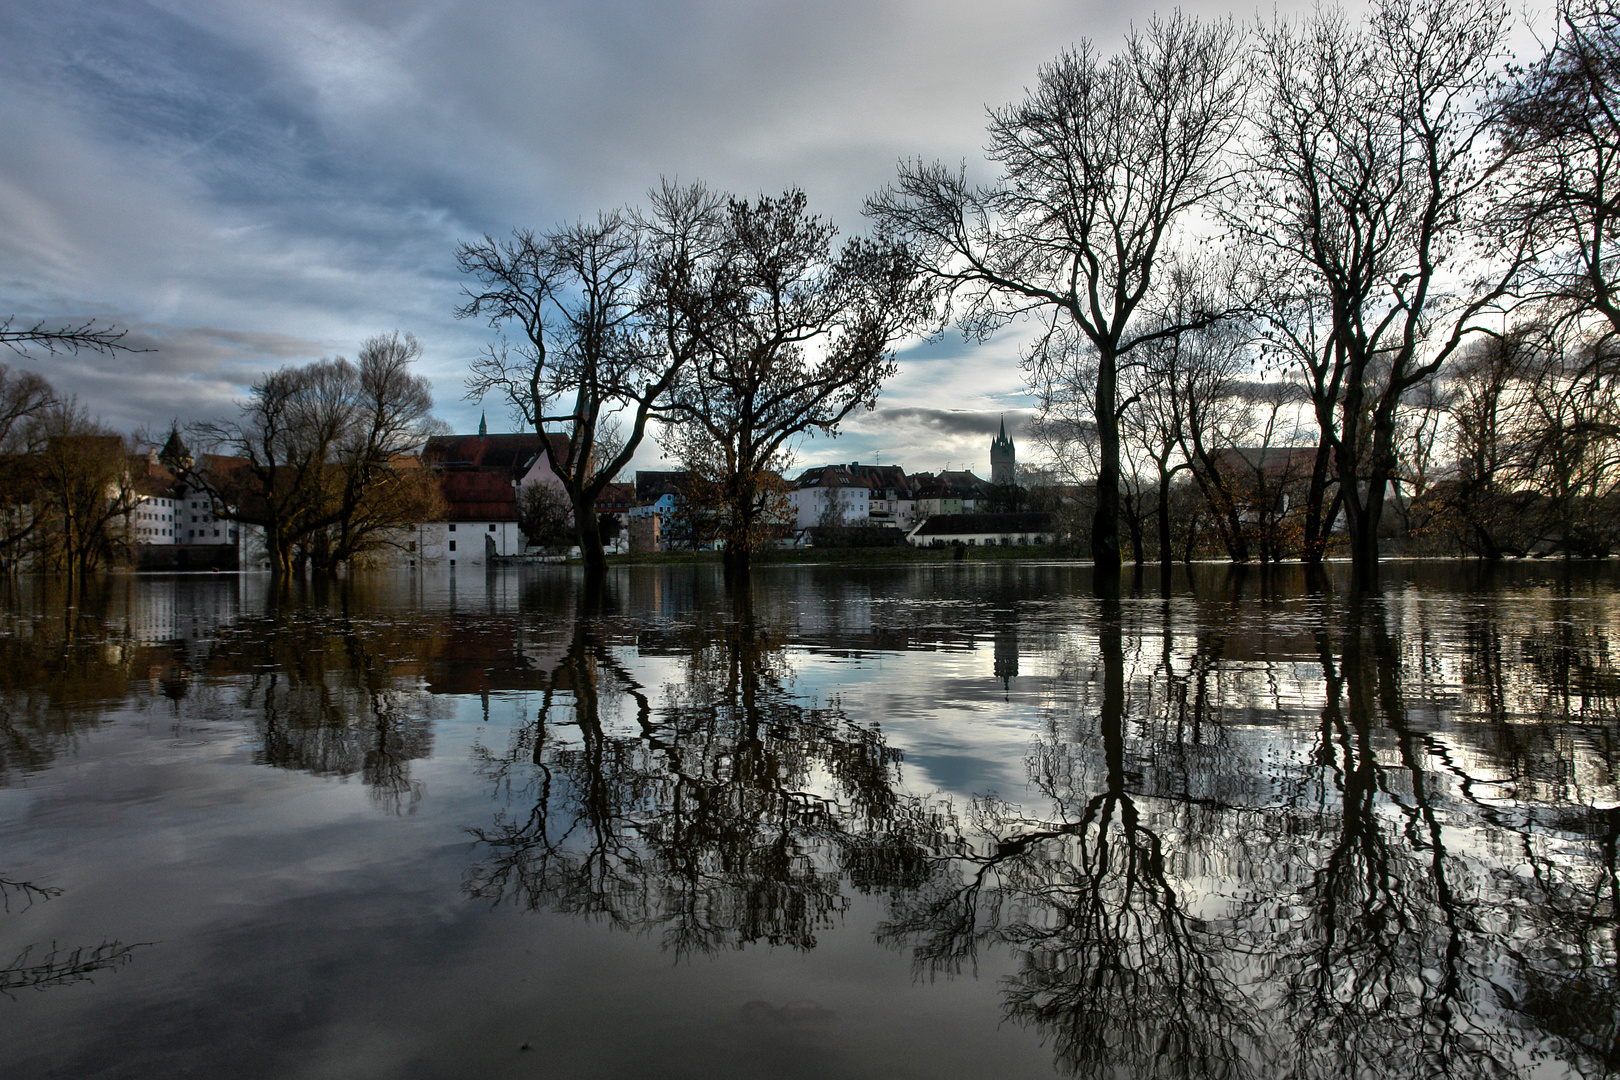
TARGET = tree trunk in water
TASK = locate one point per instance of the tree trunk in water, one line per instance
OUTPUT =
(1133, 522)
(1105, 553)
(737, 559)
(1364, 549)
(1167, 557)
(588, 531)
(1316, 527)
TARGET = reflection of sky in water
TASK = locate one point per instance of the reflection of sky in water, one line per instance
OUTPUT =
(313, 918)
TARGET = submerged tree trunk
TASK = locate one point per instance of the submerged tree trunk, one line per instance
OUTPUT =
(1167, 556)
(1105, 553)
(588, 531)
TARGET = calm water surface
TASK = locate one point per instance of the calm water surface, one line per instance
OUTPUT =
(955, 821)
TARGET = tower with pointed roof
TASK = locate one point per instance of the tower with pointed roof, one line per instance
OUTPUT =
(174, 455)
(1003, 459)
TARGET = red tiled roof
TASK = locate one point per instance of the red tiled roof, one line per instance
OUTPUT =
(478, 496)
(512, 452)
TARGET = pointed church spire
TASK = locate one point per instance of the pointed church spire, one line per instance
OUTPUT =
(483, 426)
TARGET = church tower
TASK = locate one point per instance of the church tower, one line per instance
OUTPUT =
(1003, 459)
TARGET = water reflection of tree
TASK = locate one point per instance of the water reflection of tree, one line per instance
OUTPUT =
(1544, 686)
(64, 655)
(1182, 908)
(325, 700)
(1114, 968)
(41, 967)
(1382, 948)
(731, 812)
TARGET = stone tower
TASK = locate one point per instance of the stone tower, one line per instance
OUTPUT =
(1003, 458)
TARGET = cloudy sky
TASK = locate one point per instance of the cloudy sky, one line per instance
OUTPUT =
(246, 185)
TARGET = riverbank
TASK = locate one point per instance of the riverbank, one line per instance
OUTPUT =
(854, 556)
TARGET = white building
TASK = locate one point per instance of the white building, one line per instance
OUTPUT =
(831, 495)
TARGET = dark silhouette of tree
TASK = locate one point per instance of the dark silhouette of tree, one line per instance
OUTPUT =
(600, 333)
(41, 968)
(1558, 122)
(697, 819)
(1367, 182)
(56, 338)
(790, 338)
(316, 458)
(1099, 166)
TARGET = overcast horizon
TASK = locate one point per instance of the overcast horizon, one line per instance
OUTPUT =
(247, 186)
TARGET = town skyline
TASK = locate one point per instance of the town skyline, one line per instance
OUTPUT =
(247, 188)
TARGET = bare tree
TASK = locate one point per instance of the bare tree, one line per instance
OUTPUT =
(1198, 370)
(789, 339)
(1486, 393)
(71, 337)
(545, 516)
(1294, 329)
(597, 335)
(85, 490)
(1368, 180)
(1099, 165)
(1558, 121)
(381, 489)
(317, 457)
(24, 396)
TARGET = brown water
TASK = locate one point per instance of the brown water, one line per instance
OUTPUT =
(953, 821)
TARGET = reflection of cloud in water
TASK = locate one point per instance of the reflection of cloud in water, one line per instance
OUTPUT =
(961, 774)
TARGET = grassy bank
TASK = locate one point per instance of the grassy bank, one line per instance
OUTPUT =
(853, 556)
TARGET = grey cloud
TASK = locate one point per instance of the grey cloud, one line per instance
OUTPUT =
(302, 169)
(953, 421)
(208, 349)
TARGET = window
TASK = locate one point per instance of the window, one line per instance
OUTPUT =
(492, 527)
(452, 545)
(452, 526)
(410, 546)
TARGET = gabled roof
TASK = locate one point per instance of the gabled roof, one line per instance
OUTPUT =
(959, 484)
(473, 495)
(832, 476)
(616, 498)
(512, 453)
(886, 478)
(653, 485)
(1272, 461)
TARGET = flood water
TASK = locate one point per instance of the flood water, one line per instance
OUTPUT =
(941, 821)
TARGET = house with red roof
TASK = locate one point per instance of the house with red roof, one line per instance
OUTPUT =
(480, 477)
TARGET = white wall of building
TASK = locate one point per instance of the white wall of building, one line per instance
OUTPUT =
(811, 504)
(465, 543)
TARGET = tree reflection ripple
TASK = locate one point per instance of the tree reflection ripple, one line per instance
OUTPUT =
(1348, 840)
(733, 814)
(1246, 826)
(1383, 905)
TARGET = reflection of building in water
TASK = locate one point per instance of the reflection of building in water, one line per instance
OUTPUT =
(184, 608)
(1006, 654)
